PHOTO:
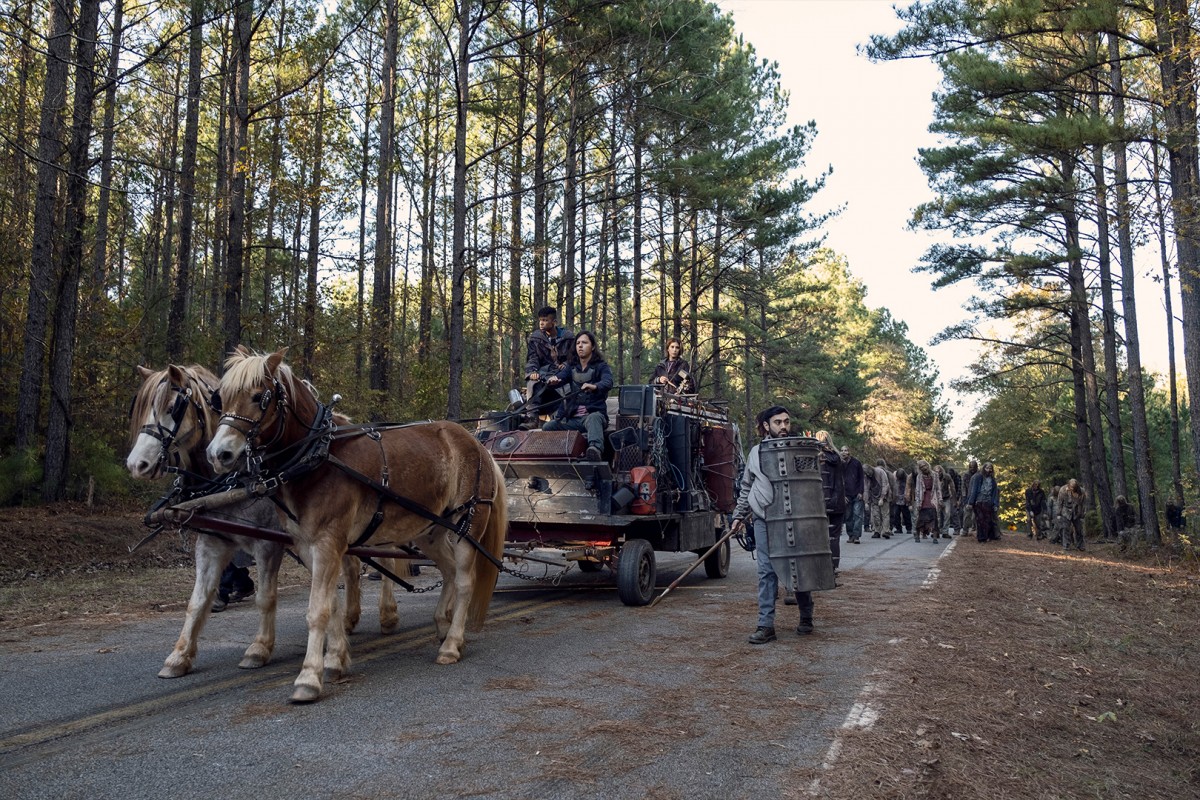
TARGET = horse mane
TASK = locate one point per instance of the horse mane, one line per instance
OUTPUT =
(245, 371)
(142, 401)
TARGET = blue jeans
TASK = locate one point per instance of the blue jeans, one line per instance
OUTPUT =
(768, 581)
(854, 517)
(593, 424)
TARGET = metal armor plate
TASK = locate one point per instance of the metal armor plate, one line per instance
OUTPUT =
(797, 528)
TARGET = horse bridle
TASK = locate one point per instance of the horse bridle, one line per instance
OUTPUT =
(278, 396)
(168, 437)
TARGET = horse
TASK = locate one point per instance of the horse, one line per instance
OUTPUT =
(450, 486)
(171, 424)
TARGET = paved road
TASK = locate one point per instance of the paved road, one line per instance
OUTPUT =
(565, 693)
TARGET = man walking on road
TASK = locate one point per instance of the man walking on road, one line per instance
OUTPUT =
(968, 516)
(854, 479)
(984, 497)
(755, 495)
(926, 497)
(879, 495)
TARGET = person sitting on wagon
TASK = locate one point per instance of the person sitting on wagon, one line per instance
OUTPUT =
(547, 351)
(585, 406)
(674, 373)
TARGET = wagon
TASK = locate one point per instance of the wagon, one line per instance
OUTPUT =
(666, 483)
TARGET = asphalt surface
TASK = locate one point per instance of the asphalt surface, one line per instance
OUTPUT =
(565, 693)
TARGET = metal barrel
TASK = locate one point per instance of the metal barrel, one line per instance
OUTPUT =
(797, 528)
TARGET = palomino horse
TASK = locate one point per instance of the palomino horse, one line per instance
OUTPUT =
(446, 486)
(171, 424)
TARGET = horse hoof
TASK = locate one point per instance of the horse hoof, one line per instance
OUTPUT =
(252, 662)
(333, 674)
(388, 627)
(447, 658)
(173, 671)
(306, 694)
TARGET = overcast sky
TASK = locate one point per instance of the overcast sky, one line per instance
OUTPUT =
(871, 119)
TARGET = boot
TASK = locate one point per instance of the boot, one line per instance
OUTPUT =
(805, 627)
(762, 635)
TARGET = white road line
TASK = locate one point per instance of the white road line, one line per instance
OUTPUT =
(863, 714)
(935, 570)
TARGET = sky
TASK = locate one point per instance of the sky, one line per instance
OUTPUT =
(871, 119)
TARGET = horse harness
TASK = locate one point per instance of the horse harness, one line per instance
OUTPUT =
(313, 451)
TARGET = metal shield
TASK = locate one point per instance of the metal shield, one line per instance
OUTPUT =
(797, 528)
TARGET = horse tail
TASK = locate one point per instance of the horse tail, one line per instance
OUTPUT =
(492, 540)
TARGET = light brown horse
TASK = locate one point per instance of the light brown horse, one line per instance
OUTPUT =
(171, 424)
(379, 485)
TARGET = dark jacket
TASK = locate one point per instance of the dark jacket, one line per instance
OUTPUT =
(983, 489)
(1035, 500)
(852, 476)
(832, 482)
(547, 356)
(671, 370)
(597, 400)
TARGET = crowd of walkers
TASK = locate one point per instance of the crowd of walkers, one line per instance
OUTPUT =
(938, 502)
(927, 502)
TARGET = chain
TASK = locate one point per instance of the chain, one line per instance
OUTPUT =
(554, 580)
(430, 588)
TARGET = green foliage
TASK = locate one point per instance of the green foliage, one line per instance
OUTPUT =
(96, 470)
(20, 477)
(730, 252)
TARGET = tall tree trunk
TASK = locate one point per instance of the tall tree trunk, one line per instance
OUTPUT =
(694, 276)
(381, 309)
(1112, 406)
(221, 195)
(1102, 488)
(58, 428)
(618, 299)
(100, 249)
(239, 137)
(1172, 378)
(1143, 464)
(1178, 70)
(364, 165)
(44, 274)
(718, 370)
(570, 187)
(462, 86)
(516, 248)
(495, 365)
(187, 185)
(314, 237)
(582, 305)
(172, 173)
(676, 259)
(540, 204)
(636, 293)
(20, 166)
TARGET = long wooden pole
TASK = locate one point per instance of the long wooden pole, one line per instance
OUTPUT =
(697, 563)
